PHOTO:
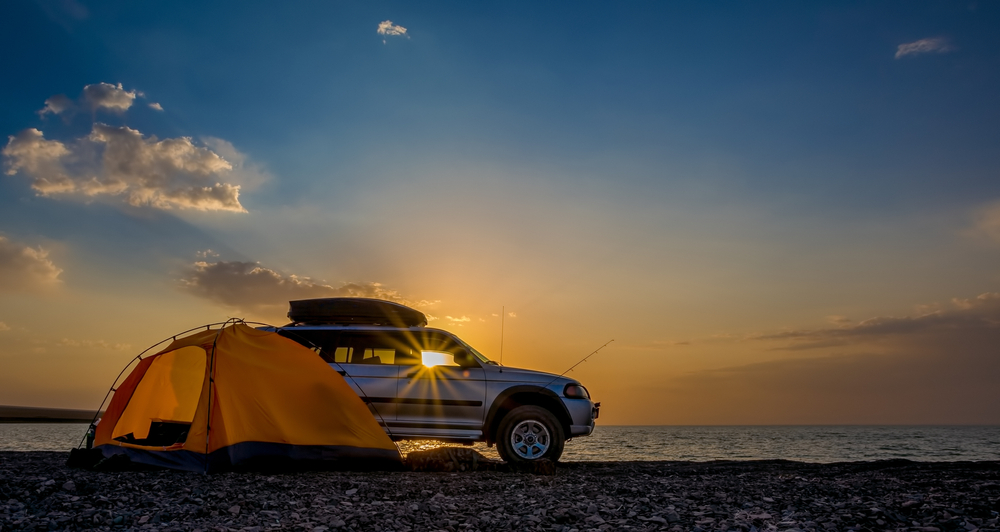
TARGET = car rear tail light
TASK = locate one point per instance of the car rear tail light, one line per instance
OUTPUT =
(575, 391)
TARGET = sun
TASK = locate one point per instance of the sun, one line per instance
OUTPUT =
(437, 358)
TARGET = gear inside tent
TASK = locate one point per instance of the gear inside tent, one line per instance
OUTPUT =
(237, 396)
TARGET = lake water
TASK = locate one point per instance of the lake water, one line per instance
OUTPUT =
(801, 443)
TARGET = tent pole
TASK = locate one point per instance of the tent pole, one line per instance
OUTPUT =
(211, 391)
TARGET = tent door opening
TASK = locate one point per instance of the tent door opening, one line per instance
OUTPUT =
(163, 406)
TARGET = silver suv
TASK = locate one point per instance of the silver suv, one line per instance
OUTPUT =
(424, 383)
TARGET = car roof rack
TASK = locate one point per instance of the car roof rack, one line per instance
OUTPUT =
(353, 311)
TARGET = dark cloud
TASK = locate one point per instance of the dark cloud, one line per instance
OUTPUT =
(939, 366)
(250, 286)
(951, 379)
(980, 313)
(58, 105)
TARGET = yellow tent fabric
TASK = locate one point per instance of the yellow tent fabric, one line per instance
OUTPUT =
(238, 395)
(169, 391)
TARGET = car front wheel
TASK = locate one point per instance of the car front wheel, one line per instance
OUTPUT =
(530, 433)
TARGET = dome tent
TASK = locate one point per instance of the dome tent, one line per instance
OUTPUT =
(238, 396)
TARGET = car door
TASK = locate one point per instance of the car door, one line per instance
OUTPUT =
(444, 399)
(368, 367)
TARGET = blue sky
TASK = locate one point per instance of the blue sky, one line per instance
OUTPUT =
(695, 180)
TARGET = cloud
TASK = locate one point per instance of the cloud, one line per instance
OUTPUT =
(387, 28)
(512, 314)
(156, 106)
(935, 366)
(206, 254)
(4, 326)
(91, 344)
(28, 151)
(838, 320)
(99, 96)
(24, 268)
(107, 96)
(986, 222)
(250, 286)
(949, 382)
(924, 46)
(57, 104)
(656, 345)
(980, 313)
(120, 162)
(463, 319)
(249, 174)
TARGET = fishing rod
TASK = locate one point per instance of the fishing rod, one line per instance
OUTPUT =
(582, 360)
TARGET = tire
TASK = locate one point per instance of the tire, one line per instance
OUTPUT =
(530, 433)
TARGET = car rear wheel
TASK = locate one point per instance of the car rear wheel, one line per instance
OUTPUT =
(530, 433)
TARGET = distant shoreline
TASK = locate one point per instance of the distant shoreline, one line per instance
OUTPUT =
(33, 414)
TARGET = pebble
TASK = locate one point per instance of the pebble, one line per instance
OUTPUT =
(748, 496)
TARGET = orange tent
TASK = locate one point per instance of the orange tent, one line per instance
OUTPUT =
(238, 396)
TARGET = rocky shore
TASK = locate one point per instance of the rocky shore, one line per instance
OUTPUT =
(38, 492)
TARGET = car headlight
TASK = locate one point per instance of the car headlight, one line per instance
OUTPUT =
(576, 391)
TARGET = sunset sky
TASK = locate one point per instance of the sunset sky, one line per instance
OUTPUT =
(782, 213)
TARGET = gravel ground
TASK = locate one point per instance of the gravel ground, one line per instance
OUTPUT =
(37, 492)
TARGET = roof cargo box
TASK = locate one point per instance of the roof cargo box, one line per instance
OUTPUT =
(354, 311)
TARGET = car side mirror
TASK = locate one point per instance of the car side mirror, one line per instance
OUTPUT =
(464, 359)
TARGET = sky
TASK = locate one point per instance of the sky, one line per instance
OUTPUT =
(781, 213)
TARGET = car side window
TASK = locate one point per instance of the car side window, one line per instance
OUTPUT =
(374, 355)
(373, 348)
(362, 347)
(438, 358)
(407, 356)
(321, 342)
(438, 349)
(339, 355)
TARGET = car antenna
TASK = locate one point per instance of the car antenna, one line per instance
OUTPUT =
(503, 310)
(582, 360)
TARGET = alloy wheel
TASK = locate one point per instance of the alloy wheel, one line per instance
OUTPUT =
(530, 439)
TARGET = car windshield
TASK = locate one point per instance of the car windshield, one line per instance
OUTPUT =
(479, 356)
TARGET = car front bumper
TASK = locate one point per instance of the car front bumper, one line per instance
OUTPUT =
(582, 412)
